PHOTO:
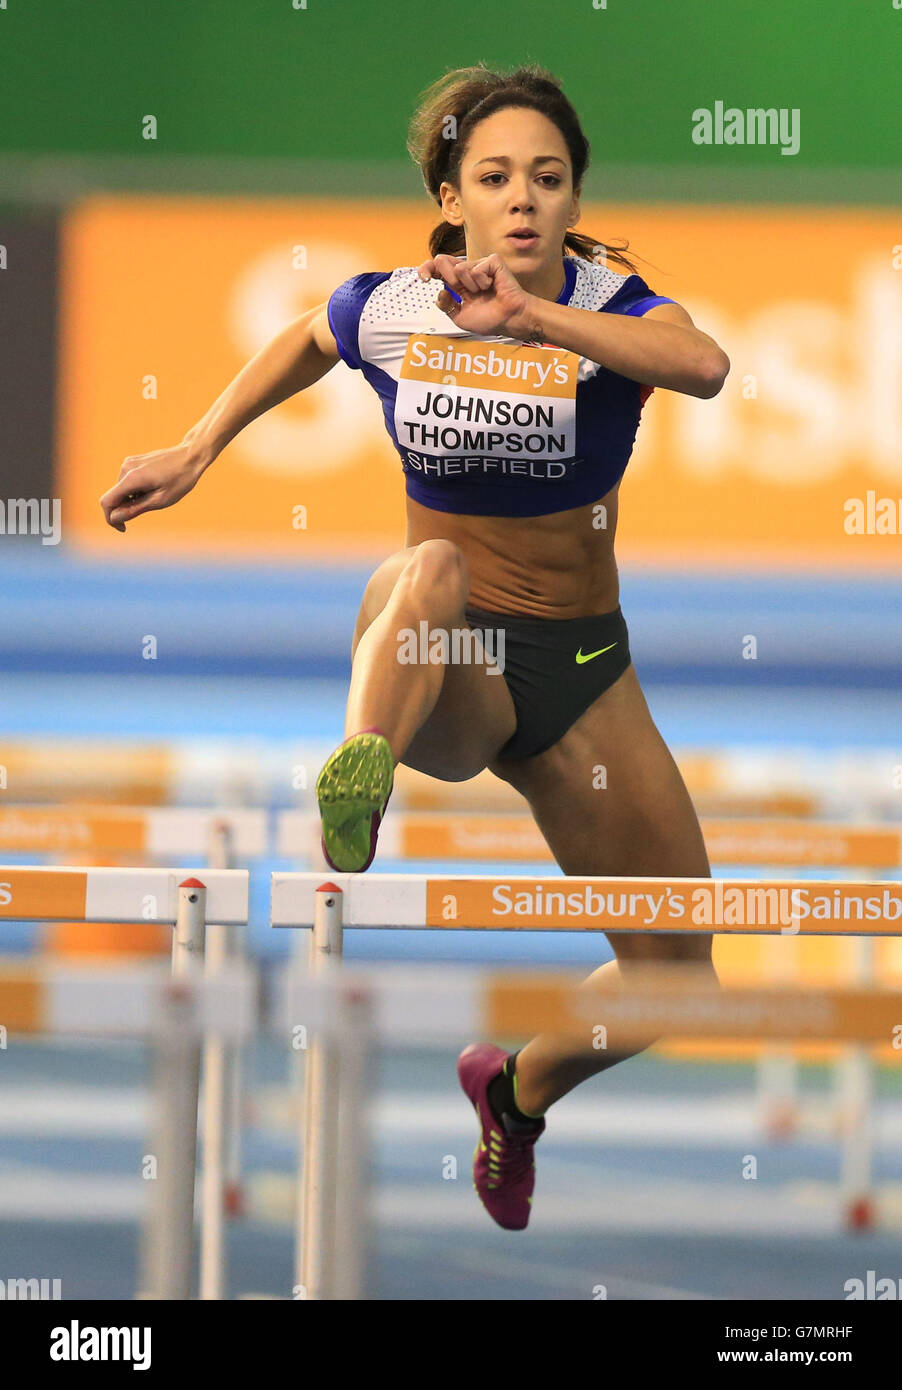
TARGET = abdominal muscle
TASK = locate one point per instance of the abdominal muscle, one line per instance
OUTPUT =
(556, 566)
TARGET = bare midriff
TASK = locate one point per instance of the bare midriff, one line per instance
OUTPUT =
(556, 566)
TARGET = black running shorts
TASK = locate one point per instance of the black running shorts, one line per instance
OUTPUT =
(555, 668)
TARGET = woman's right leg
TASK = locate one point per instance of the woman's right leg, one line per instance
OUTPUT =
(448, 720)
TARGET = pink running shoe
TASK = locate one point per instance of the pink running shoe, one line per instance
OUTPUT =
(504, 1169)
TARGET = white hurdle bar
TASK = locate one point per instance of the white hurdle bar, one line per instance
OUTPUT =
(502, 902)
(188, 902)
(329, 905)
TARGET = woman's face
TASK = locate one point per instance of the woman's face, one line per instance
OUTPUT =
(515, 173)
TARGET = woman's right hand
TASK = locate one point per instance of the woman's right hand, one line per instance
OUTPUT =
(149, 482)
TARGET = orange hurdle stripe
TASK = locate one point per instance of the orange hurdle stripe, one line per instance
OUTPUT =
(43, 894)
(22, 1000)
(72, 829)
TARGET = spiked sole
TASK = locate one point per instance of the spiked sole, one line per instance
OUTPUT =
(352, 791)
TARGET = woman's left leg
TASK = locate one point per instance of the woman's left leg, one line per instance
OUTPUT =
(610, 801)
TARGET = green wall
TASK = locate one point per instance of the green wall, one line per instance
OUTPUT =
(256, 79)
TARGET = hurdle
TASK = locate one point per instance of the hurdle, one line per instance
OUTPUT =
(441, 835)
(153, 832)
(352, 1010)
(222, 838)
(745, 780)
(196, 771)
(328, 907)
(457, 835)
(732, 780)
(174, 1014)
(179, 898)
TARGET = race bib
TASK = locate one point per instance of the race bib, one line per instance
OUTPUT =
(466, 396)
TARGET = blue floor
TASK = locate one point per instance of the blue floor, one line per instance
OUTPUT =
(150, 705)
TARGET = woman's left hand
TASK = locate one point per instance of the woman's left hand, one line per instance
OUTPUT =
(493, 303)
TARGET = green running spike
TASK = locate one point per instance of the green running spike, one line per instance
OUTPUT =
(352, 791)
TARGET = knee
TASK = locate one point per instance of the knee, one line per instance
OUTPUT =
(381, 583)
(436, 580)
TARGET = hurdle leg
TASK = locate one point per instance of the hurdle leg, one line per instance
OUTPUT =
(314, 1271)
(310, 858)
(351, 1243)
(233, 1197)
(168, 1255)
(219, 1062)
(777, 1070)
(212, 1207)
(222, 856)
(856, 1103)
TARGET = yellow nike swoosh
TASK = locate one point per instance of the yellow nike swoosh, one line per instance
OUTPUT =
(580, 658)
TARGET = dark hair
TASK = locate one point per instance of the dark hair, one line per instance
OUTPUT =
(449, 111)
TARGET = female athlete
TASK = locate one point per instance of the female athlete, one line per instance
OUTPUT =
(512, 368)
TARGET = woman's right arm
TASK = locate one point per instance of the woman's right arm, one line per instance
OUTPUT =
(296, 358)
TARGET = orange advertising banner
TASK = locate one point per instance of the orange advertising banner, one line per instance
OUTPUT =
(796, 462)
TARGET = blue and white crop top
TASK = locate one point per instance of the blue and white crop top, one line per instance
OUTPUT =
(492, 426)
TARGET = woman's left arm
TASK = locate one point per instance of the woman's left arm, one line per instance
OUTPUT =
(663, 348)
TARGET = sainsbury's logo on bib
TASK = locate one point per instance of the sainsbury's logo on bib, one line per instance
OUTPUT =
(467, 397)
(474, 363)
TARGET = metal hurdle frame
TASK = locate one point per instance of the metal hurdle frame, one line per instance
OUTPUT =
(187, 902)
(329, 906)
(173, 1012)
(759, 843)
(222, 838)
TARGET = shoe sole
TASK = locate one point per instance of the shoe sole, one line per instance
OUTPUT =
(353, 787)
